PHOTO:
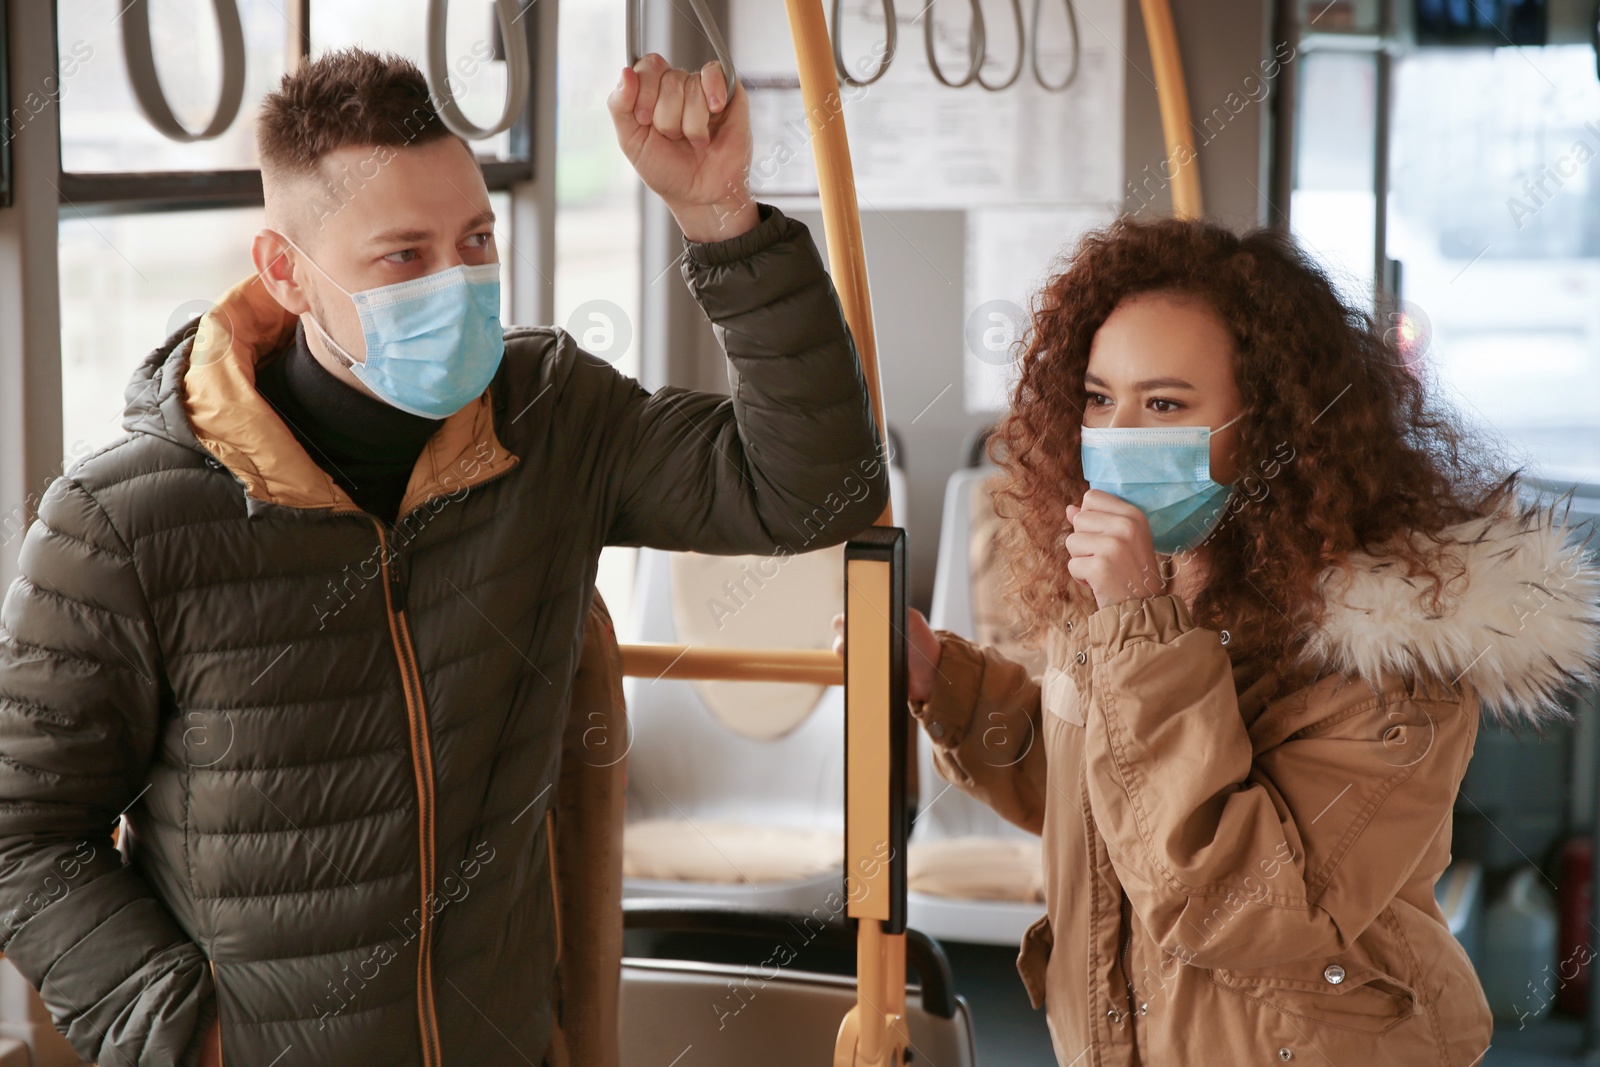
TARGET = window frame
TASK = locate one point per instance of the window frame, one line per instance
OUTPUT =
(124, 192)
(1382, 42)
(41, 196)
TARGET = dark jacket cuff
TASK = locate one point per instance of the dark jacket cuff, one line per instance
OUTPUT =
(772, 228)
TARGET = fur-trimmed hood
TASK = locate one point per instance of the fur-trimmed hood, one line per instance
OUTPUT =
(1521, 625)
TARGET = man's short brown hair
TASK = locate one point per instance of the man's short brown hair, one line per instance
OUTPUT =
(346, 97)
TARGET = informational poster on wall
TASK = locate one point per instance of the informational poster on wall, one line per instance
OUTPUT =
(916, 143)
(1032, 169)
(1011, 254)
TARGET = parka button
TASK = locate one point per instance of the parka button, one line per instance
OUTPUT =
(1082, 656)
(1333, 973)
(1285, 1055)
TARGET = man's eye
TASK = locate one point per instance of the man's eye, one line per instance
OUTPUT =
(405, 255)
(480, 240)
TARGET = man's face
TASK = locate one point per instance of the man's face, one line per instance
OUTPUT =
(393, 214)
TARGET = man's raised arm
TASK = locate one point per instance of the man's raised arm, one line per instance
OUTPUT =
(793, 458)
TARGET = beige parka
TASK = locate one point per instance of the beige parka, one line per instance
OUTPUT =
(1240, 869)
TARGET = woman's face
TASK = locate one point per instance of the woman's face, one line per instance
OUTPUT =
(1164, 359)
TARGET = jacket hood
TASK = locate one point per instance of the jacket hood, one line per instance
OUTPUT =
(1520, 619)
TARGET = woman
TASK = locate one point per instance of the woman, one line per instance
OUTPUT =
(1269, 637)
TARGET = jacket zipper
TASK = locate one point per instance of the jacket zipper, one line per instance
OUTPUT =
(422, 767)
(217, 990)
(1127, 939)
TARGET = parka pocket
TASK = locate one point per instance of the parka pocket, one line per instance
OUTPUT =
(1333, 991)
(1034, 959)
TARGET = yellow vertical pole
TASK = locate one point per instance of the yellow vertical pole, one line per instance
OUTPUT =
(836, 188)
(873, 1033)
(1174, 100)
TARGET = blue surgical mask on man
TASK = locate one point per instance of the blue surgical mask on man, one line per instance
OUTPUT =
(1164, 471)
(433, 343)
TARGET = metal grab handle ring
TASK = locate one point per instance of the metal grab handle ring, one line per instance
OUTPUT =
(518, 71)
(976, 46)
(708, 26)
(889, 35)
(1077, 53)
(139, 56)
(1022, 46)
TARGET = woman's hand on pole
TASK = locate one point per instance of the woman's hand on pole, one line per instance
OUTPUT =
(690, 144)
(922, 654)
(1112, 550)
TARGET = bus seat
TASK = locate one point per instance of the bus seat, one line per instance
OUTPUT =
(978, 868)
(780, 1012)
(735, 789)
(677, 850)
(711, 806)
(972, 876)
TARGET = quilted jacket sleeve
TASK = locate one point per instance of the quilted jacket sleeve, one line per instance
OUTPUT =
(792, 459)
(983, 722)
(1242, 854)
(79, 706)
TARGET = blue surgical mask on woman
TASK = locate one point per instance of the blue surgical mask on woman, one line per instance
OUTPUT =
(433, 343)
(1164, 471)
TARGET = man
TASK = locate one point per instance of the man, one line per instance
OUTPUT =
(309, 628)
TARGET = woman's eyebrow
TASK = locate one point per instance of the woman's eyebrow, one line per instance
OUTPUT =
(1144, 386)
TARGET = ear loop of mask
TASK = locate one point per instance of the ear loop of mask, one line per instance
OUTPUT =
(327, 338)
(1173, 557)
(1219, 429)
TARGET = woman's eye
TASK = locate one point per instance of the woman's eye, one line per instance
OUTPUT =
(1172, 405)
(408, 255)
(1097, 399)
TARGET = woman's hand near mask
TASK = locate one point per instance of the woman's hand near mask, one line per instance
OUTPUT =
(1112, 550)
(922, 654)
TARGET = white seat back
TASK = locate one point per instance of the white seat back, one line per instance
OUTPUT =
(685, 762)
(943, 810)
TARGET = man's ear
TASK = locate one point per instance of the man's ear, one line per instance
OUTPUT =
(274, 261)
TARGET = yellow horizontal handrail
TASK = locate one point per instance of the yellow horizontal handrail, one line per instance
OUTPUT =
(814, 666)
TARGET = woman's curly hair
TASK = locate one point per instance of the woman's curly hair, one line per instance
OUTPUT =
(1339, 448)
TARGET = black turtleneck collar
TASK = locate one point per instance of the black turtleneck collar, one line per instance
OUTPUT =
(365, 445)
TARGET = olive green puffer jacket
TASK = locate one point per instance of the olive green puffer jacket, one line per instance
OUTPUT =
(332, 741)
